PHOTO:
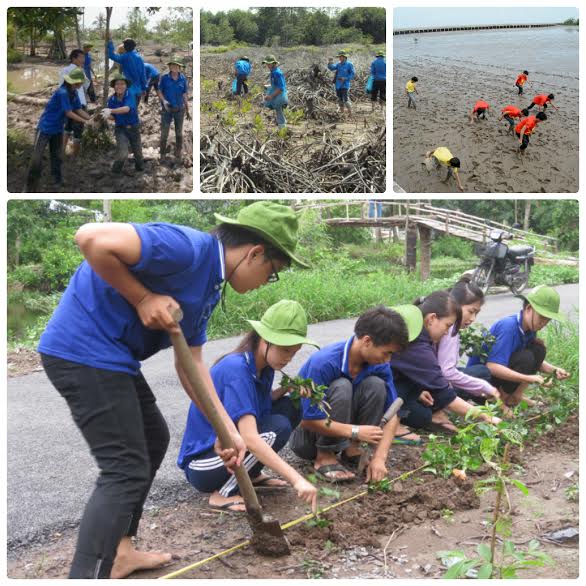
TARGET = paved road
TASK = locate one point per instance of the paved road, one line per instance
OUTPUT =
(50, 472)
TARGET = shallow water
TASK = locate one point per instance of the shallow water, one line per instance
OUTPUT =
(549, 54)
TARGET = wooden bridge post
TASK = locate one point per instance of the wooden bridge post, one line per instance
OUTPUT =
(424, 252)
(410, 246)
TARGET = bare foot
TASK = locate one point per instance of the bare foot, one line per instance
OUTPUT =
(233, 504)
(129, 560)
(442, 419)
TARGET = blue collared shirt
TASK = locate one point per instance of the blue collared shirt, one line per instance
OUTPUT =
(343, 70)
(173, 90)
(278, 80)
(242, 67)
(132, 67)
(331, 363)
(241, 391)
(94, 325)
(131, 117)
(52, 119)
(150, 71)
(87, 65)
(510, 337)
(378, 69)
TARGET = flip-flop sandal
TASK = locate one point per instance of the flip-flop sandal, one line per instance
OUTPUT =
(402, 440)
(322, 471)
(225, 508)
(350, 462)
(265, 486)
(440, 428)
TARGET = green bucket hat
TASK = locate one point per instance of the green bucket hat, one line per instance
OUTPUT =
(270, 59)
(342, 53)
(283, 324)
(274, 222)
(176, 60)
(380, 54)
(75, 76)
(412, 317)
(120, 77)
(545, 301)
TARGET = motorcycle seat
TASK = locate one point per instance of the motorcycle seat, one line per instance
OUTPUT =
(521, 250)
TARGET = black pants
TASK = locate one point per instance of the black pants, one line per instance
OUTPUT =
(526, 361)
(520, 88)
(74, 128)
(379, 87)
(128, 137)
(477, 371)
(241, 84)
(128, 437)
(510, 121)
(525, 143)
(91, 92)
(55, 142)
(534, 104)
(153, 84)
(481, 112)
(414, 413)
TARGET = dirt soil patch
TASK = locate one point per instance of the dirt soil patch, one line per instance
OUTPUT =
(376, 536)
(23, 361)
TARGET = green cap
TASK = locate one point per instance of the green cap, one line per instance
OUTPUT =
(75, 76)
(545, 301)
(380, 54)
(176, 60)
(270, 59)
(119, 77)
(342, 53)
(274, 222)
(412, 317)
(283, 324)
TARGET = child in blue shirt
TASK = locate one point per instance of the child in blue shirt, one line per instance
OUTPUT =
(276, 97)
(344, 73)
(517, 354)
(242, 69)
(117, 312)
(418, 375)
(360, 389)
(123, 108)
(378, 70)
(264, 418)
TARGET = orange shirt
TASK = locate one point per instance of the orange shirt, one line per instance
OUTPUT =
(512, 111)
(541, 99)
(530, 123)
(480, 104)
(521, 79)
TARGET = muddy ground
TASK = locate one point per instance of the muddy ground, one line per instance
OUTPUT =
(313, 121)
(91, 172)
(395, 535)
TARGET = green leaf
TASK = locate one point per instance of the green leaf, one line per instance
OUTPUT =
(519, 485)
(508, 573)
(484, 572)
(503, 526)
(509, 547)
(484, 552)
(455, 571)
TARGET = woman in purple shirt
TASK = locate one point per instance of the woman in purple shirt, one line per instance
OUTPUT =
(473, 382)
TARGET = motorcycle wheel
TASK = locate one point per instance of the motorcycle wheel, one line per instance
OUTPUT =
(520, 282)
(482, 277)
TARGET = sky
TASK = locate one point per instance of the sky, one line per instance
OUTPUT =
(427, 17)
(119, 16)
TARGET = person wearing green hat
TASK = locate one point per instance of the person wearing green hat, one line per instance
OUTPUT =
(173, 93)
(115, 313)
(123, 108)
(360, 388)
(242, 70)
(63, 104)
(378, 70)
(517, 354)
(265, 418)
(418, 375)
(344, 74)
(276, 97)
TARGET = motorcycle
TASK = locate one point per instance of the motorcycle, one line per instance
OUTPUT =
(501, 264)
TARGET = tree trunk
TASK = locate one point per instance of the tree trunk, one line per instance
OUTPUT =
(424, 252)
(57, 50)
(77, 33)
(411, 246)
(106, 60)
(17, 247)
(32, 51)
(527, 214)
(516, 211)
(107, 207)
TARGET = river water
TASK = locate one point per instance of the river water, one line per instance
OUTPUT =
(549, 54)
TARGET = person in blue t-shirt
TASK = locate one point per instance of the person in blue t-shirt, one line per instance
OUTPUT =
(264, 417)
(344, 74)
(89, 71)
(123, 109)
(63, 104)
(174, 106)
(153, 76)
(418, 375)
(276, 97)
(132, 66)
(115, 313)
(378, 70)
(360, 389)
(242, 70)
(517, 355)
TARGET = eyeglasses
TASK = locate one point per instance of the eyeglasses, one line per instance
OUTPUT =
(274, 276)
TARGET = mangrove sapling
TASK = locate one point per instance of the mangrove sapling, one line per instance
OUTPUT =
(305, 388)
(476, 340)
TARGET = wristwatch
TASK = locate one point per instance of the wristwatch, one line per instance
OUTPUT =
(355, 432)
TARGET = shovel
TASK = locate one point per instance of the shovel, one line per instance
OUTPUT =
(365, 449)
(267, 536)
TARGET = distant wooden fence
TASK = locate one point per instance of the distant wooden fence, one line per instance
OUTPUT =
(410, 31)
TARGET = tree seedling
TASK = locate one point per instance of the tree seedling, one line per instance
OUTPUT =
(298, 388)
(383, 485)
(476, 340)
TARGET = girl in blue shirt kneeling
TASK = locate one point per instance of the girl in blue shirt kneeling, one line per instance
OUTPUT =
(264, 418)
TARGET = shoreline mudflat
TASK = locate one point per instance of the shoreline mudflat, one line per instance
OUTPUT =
(448, 89)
